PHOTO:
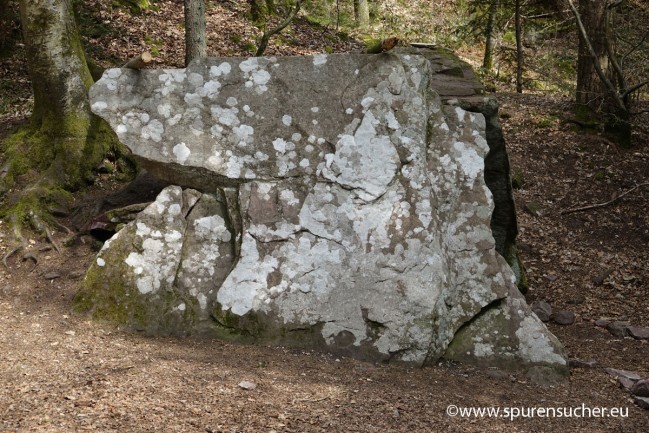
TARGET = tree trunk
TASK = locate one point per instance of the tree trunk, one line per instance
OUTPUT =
(270, 7)
(598, 86)
(195, 37)
(519, 47)
(63, 142)
(257, 11)
(60, 81)
(590, 88)
(362, 13)
(490, 37)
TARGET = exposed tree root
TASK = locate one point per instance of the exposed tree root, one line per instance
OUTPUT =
(30, 256)
(30, 207)
(18, 238)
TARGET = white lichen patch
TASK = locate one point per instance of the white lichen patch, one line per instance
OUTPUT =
(220, 70)
(365, 161)
(471, 163)
(534, 343)
(182, 152)
(319, 59)
(151, 267)
(287, 120)
(280, 145)
(249, 279)
(99, 106)
(257, 77)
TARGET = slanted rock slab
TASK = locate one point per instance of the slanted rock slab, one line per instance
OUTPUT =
(330, 201)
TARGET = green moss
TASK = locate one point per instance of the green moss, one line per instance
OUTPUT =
(245, 326)
(111, 299)
(546, 121)
(518, 181)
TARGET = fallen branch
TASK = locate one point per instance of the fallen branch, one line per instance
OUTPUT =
(598, 205)
(140, 61)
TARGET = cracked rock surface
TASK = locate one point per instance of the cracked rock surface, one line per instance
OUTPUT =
(342, 204)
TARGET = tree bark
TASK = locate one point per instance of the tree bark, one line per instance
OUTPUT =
(257, 11)
(60, 81)
(195, 36)
(490, 37)
(270, 7)
(58, 149)
(590, 88)
(519, 47)
(600, 84)
(362, 13)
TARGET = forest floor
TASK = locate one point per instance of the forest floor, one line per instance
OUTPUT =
(60, 372)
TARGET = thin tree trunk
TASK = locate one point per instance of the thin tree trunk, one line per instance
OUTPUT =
(362, 13)
(257, 11)
(270, 7)
(490, 37)
(590, 88)
(519, 48)
(195, 37)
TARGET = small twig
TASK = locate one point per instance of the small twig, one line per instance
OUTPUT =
(598, 205)
(307, 400)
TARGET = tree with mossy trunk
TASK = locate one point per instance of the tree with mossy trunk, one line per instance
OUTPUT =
(63, 142)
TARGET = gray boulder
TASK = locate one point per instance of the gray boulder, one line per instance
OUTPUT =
(342, 205)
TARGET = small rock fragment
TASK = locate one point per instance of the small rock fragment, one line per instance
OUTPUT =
(563, 317)
(617, 328)
(74, 275)
(642, 402)
(580, 363)
(631, 375)
(497, 374)
(248, 386)
(638, 332)
(532, 208)
(641, 388)
(599, 279)
(576, 300)
(544, 376)
(543, 310)
(52, 275)
(625, 383)
(602, 322)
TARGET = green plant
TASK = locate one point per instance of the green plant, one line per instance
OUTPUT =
(546, 121)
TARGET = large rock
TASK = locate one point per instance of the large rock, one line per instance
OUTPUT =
(342, 204)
